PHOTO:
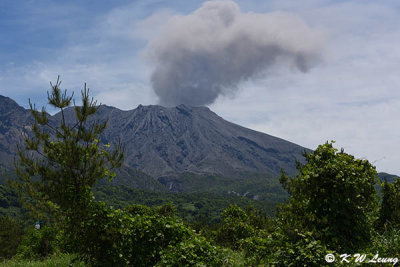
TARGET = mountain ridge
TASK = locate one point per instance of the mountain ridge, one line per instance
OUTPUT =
(195, 139)
(164, 144)
(163, 141)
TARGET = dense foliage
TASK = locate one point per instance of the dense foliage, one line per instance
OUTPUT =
(39, 244)
(235, 227)
(10, 205)
(258, 186)
(195, 251)
(334, 197)
(202, 208)
(11, 233)
(116, 237)
(390, 212)
(281, 249)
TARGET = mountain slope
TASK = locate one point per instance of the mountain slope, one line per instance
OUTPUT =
(165, 141)
(14, 120)
(168, 142)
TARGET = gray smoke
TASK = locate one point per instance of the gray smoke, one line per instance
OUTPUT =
(210, 51)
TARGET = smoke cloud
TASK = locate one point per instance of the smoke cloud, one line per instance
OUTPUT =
(207, 53)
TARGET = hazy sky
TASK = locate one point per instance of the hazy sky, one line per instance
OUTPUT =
(350, 93)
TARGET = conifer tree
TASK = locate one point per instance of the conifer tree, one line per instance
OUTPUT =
(60, 161)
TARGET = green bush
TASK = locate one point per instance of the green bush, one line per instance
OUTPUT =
(39, 243)
(196, 251)
(306, 251)
(134, 237)
(10, 237)
(278, 250)
(234, 228)
(258, 219)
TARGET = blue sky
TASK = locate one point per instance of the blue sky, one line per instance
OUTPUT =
(352, 96)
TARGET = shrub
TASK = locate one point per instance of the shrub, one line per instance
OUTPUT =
(119, 238)
(278, 250)
(234, 228)
(306, 251)
(39, 243)
(196, 251)
(10, 237)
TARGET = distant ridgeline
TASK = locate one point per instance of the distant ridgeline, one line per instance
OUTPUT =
(180, 149)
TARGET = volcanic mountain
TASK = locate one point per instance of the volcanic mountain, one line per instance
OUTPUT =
(164, 143)
(14, 120)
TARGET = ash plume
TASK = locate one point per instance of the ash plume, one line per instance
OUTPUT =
(208, 53)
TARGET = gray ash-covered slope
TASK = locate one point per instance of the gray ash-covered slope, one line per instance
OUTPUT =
(164, 141)
(13, 122)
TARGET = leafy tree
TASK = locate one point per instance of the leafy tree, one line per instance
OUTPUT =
(257, 218)
(235, 227)
(334, 197)
(390, 205)
(60, 161)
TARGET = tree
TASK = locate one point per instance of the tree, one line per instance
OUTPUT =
(334, 197)
(390, 206)
(60, 161)
(235, 227)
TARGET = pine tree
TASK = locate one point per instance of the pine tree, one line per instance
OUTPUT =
(60, 161)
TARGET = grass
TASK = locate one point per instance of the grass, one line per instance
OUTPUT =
(232, 258)
(53, 261)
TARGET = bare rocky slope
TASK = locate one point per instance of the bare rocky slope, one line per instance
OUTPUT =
(14, 120)
(164, 141)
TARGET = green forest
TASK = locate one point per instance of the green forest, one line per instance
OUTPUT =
(336, 211)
